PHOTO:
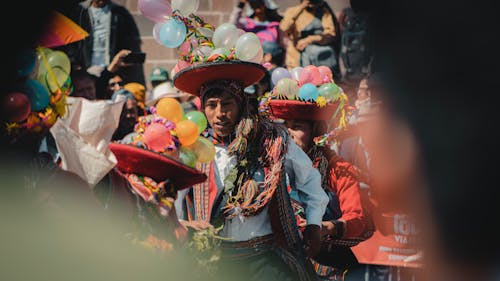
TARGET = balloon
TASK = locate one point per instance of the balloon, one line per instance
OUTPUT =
(258, 56)
(309, 74)
(187, 132)
(187, 156)
(295, 72)
(37, 94)
(247, 46)
(287, 87)
(26, 62)
(199, 119)
(59, 59)
(308, 92)
(156, 32)
(157, 137)
(204, 149)
(225, 35)
(155, 10)
(15, 106)
(329, 91)
(279, 73)
(185, 7)
(170, 109)
(57, 80)
(59, 66)
(325, 74)
(173, 33)
(241, 31)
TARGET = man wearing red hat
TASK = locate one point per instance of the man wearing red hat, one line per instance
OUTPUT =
(246, 193)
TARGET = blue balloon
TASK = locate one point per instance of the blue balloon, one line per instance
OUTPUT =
(26, 61)
(308, 92)
(37, 93)
(173, 33)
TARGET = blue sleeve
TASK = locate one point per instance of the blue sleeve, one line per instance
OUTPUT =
(306, 180)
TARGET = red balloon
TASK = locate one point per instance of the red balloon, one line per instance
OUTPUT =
(16, 107)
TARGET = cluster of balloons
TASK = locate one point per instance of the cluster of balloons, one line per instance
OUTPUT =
(196, 41)
(42, 72)
(226, 41)
(305, 83)
(188, 127)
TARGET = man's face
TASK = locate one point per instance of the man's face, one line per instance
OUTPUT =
(84, 88)
(301, 132)
(222, 112)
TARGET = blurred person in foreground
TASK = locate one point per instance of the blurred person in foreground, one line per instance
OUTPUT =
(439, 108)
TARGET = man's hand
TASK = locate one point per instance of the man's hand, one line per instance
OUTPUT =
(196, 225)
(118, 62)
(311, 242)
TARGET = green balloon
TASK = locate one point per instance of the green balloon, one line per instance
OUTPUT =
(199, 119)
(188, 157)
(330, 91)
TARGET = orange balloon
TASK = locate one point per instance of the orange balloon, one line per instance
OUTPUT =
(170, 109)
(187, 132)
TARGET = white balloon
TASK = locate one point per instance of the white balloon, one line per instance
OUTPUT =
(225, 35)
(295, 72)
(247, 46)
(185, 7)
(258, 57)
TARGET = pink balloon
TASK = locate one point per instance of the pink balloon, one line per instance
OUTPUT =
(316, 78)
(325, 74)
(305, 76)
(155, 10)
(157, 137)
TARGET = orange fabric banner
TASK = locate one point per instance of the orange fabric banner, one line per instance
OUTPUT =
(394, 243)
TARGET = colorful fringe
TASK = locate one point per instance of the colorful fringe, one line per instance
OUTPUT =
(254, 153)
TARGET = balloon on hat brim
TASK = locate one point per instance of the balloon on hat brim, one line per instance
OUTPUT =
(170, 109)
(185, 7)
(308, 92)
(199, 119)
(173, 33)
(15, 107)
(288, 88)
(204, 149)
(225, 35)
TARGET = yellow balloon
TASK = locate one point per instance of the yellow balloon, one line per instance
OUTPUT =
(187, 132)
(170, 109)
(204, 149)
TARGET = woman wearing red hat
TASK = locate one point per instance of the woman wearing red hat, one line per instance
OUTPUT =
(344, 223)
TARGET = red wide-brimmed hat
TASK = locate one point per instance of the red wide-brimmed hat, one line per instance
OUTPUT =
(190, 79)
(301, 110)
(140, 161)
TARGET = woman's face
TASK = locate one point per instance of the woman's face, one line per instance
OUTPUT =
(222, 112)
(301, 132)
